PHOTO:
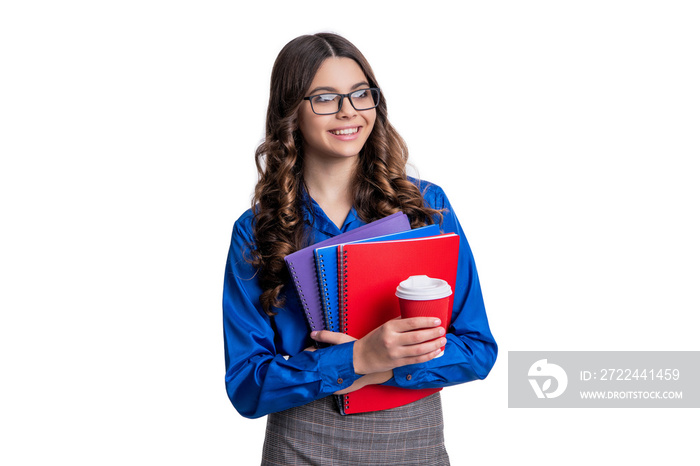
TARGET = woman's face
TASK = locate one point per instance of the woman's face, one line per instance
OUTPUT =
(343, 134)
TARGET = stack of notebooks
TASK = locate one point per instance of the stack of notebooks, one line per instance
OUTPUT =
(348, 283)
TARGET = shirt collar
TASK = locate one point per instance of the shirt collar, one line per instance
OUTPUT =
(316, 218)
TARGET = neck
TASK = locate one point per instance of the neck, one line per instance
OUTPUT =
(330, 185)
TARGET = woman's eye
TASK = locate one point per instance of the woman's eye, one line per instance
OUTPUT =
(363, 94)
(323, 98)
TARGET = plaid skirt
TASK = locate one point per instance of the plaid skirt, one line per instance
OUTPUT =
(316, 434)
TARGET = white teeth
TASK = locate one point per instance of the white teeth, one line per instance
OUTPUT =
(346, 131)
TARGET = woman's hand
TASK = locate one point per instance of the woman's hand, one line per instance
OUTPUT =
(396, 343)
(335, 338)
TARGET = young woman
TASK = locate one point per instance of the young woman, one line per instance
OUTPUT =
(331, 162)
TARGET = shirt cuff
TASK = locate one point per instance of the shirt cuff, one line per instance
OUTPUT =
(406, 376)
(337, 369)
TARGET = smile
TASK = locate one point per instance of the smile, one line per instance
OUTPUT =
(339, 132)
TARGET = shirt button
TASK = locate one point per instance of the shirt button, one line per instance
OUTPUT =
(408, 377)
(340, 381)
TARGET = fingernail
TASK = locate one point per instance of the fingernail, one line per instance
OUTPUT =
(436, 322)
(441, 331)
(314, 333)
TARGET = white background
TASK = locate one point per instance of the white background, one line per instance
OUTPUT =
(565, 133)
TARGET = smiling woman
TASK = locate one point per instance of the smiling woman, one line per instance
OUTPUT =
(331, 162)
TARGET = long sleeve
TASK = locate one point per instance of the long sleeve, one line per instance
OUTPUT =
(268, 371)
(471, 350)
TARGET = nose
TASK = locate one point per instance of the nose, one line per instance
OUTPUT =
(346, 109)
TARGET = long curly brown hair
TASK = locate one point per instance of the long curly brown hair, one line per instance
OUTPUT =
(380, 185)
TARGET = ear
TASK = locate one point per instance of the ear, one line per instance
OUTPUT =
(295, 128)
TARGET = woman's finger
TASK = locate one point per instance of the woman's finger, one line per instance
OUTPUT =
(333, 338)
(413, 323)
(419, 350)
(416, 337)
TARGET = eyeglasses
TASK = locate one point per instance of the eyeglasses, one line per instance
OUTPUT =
(328, 104)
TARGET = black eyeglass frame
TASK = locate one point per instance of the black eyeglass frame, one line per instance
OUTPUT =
(342, 98)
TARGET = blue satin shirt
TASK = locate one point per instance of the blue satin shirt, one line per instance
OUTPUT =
(267, 369)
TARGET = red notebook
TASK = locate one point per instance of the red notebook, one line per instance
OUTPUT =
(369, 274)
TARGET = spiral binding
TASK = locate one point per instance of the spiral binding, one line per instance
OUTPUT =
(324, 287)
(300, 293)
(343, 285)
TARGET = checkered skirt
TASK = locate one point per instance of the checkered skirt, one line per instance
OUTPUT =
(316, 434)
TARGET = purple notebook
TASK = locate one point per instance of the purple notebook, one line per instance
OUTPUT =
(302, 266)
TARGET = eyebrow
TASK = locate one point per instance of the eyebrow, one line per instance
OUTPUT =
(333, 89)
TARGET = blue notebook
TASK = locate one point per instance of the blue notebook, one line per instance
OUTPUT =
(327, 269)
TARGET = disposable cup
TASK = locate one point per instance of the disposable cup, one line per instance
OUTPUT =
(422, 296)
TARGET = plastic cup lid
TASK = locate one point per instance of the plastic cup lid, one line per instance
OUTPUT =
(420, 287)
